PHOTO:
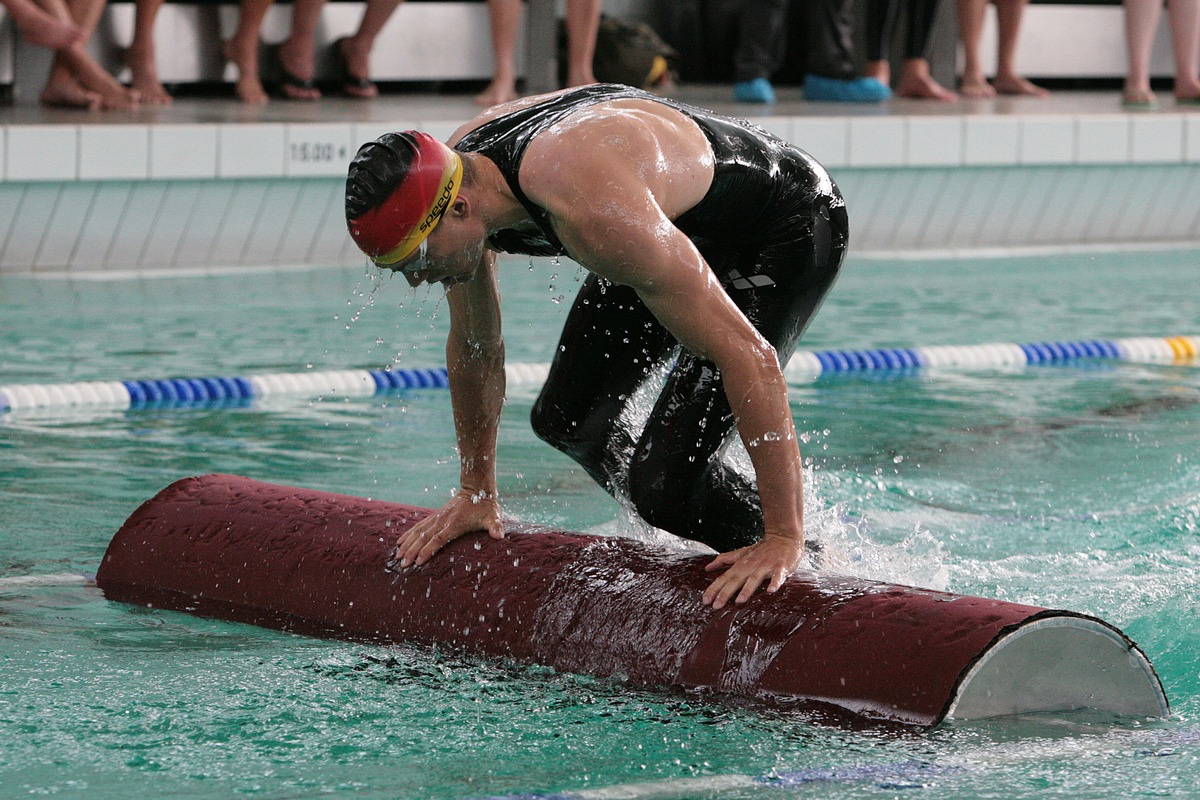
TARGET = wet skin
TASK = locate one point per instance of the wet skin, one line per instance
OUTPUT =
(612, 178)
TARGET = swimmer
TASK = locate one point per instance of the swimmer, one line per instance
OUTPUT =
(706, 238)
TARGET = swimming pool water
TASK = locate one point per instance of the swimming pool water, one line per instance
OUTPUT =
(1065, 486)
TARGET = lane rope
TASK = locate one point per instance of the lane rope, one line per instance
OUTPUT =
(805, 366)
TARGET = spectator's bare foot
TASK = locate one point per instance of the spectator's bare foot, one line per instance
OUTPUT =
(145, 76)
(63, 91)
(94, 78)
(244, 56)
(500, 90)
(880, 71)
(44, 30)
(1015, 84)
(976, 87)
(923, 87)
(1187, 92)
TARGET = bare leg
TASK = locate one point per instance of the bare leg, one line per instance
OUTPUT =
(916, 82)
(505, 18)
(1007, 81)
(970, 30)
(1141, 21)
(583, 20)
(75, 78)
(242, 50)
(43, 28)
(879, 70)
(1185, 38)
(296, 55)
(140, 55)
(355, 51)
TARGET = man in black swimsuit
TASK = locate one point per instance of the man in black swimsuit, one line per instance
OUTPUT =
(708, 240)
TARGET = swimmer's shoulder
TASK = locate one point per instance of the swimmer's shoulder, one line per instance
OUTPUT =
(499, 111)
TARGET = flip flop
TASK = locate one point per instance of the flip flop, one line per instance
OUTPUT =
(352, 85)
(1139, 101)
(293, 87)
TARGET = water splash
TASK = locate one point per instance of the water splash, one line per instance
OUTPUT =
(366, 298)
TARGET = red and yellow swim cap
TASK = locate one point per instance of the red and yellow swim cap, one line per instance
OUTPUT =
(428, 175)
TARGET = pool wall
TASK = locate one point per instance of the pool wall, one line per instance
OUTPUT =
(91, 198)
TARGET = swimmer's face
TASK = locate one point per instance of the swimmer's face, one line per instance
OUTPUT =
(450, 255)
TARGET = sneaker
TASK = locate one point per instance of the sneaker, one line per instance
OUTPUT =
(856, 90)
(756, 91)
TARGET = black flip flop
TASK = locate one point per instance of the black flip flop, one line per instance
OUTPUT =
(289, 81)
(352, 85)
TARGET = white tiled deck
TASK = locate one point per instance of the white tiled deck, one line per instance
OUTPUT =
(1074, 169)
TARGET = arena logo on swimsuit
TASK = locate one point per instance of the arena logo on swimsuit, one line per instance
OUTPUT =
(439, 208)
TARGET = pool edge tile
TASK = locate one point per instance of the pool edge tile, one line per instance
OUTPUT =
(934, 142)
(1047, 141)
(251, 150)
(1156, 139)
(183, 151)
(1191, 139)
(877, 142)
(827, 139)
(1103, 139)
(42, 153)
(314, 149)
(991, 141)
(114, 152)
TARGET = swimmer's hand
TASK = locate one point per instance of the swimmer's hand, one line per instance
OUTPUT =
(465, 512)
(770, 560)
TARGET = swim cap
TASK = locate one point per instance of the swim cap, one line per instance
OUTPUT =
(397, 189)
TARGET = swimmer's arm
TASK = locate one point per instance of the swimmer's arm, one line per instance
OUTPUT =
(619, 231)
(475, 364)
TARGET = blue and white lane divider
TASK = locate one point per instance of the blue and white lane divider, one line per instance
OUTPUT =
(805, 366)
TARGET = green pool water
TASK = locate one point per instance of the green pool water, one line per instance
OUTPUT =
(1074, 487)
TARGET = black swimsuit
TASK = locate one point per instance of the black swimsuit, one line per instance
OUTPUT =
(773, 228)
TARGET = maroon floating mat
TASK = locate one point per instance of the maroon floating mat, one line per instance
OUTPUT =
(314, 562)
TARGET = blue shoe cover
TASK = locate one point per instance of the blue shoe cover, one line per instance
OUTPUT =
(756, 91)
(857, 90)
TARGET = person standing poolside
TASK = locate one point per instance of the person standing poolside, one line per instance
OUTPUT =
(1141, 23)
(974, 83)
(915, 78)
(705, 237)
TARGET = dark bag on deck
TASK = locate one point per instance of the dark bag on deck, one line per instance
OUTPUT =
(627, 52)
